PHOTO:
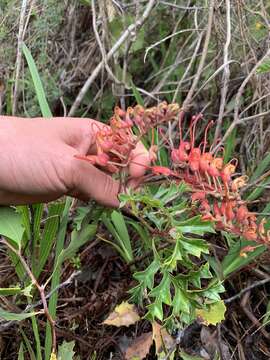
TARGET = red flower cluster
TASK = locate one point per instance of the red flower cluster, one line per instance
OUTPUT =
(116, 141)
(213, 183)
(232, 216)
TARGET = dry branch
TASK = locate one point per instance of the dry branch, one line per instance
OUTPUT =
(124, 36)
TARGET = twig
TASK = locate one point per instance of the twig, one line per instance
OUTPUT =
(188, 99)
(58, 287)
(101, 47)
(133, 27)
(226, 73)
(248, 288)
(188, 67)
(236, 120)
(182, 7)
(165, 39)
(19, 56)
(40, 289)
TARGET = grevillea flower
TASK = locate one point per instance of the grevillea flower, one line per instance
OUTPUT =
(214, 185)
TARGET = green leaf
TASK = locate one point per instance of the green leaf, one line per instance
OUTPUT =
(180, 302)
(258, 190)
(195, 246)
(44, 106)
(163, 291)
(167, 194)
(146, 277)
(48, 237)
(29, 347)
(194, 226)
(117, 227)
(171, 261)
(121, 228)
(136, 93)
(78, 238)
(213, 291)
(56, 274)
(264, 67)
(21, 351)
(118, 25)
(185, 356)
(234, 262)
(14, 316)
(214, 313)
(230, 145)
(142, 231)
(81, 213)
(155, 310)
(10, 291)
(146, 281)
(25, 214)
(65, 351)
(11, 225)
(262, 166)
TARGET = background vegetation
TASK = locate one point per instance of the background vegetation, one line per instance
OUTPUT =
(82, 58)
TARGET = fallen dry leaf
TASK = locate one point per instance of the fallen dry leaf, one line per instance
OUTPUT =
(124, 314)
(161, 338)
(140, 347)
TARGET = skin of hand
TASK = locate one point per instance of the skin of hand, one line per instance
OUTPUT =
(37, 162)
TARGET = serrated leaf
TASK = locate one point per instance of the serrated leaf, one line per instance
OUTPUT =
(168, 194)
(162, 291)
(180, 302)
(195, 226)
(213, 315)
(155, 310)
(171, 261)
(11, 225)
(146, 277)
(195, 246)
(124, 314)
(213, 291)
(65, 351)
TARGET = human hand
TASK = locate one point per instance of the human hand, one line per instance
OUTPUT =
(37, 162)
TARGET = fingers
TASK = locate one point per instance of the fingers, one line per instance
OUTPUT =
(91, 183)
(80, 133)
(13, 198)
(140, 161)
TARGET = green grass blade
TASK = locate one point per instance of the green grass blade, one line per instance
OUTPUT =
(258, 190)
(28, 346)
(49, 234)
(136, 94)
(230, 146)
(21, 350)
(44, 106)
(263, 165)
(56, 276)
(37, 338)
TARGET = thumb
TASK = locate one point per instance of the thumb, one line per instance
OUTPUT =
(91, 183)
